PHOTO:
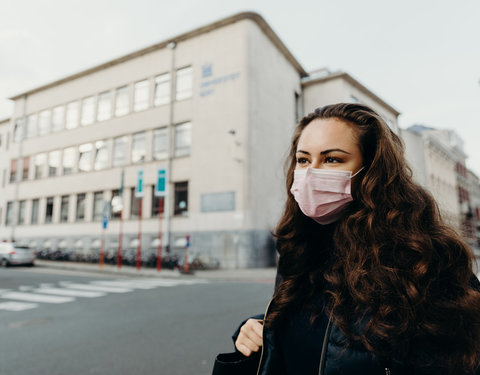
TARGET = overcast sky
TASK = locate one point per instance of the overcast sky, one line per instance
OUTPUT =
(422, 57)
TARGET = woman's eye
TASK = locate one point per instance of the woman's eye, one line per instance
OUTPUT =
(330, 159)
(302, 161)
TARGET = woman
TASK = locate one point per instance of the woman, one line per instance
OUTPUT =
(371, 280)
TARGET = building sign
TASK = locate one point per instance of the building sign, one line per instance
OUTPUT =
(210, 82)
(139, 187)
(160, 188)
(212, 202)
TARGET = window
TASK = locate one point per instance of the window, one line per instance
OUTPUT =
(31, 130)
(88, 110)
(160, 143)
(68, 160)
(138, 147)
(64, 203)
(18, 130)
(9, 214)
(53, 163)
(101, 155)
(85, 157)
(184, 83)
(122, 102)
(104, 106)
(58, 118)
(140, 101)
(119, 151)
(183, 139)
(44, 122)
(13, 170)
(26, 167)
(34, 218)
(181, 198)
(98, 206)
(40, 161)
(21, 212)
(134, 203)
(162, 89)
(114, 215)
(158, 203)
(49, 210)
(72, 115)
(80, 214)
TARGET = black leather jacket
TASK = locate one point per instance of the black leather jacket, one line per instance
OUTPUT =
(336, 360)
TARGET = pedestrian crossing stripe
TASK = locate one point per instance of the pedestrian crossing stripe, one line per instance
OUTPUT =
(69, 292)
(96, 288)
(29, 297)
(17, 306)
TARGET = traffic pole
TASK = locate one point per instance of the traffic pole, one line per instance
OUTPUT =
(102, 247)
(139, 247)
(159, 249)
(187, 267)
(120, 237)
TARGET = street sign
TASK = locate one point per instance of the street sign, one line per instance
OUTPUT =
(105, 214)
(139, 187)
(160, 188)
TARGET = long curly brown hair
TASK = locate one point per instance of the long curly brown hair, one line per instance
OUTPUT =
(390, 264)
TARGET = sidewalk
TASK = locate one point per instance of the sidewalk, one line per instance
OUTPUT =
(242, 275)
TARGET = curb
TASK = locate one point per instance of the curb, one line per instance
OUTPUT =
(250, 274)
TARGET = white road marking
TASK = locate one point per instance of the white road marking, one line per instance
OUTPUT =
(17, 306)
(96, 288)
(69, 292)
(36, 297)
(125, 284)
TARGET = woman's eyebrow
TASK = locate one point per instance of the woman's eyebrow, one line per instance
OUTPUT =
(303, 152)
(334, 149)
(324, 152)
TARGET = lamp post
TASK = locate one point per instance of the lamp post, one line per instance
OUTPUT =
(171, 142)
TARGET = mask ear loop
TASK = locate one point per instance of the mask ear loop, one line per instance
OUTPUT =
(358, 172)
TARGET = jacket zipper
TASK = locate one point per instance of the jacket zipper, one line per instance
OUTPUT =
(263, 332)
(324, 345)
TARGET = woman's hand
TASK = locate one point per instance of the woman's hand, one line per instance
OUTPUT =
(250, 338)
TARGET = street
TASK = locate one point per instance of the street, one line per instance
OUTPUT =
(67, 322)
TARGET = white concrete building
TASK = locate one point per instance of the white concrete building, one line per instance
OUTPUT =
(215, 107)
(323, 87)
(437, 160)
(474, 192)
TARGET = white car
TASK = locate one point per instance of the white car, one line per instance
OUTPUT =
(13, 254)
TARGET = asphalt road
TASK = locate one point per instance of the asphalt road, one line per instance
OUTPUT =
(118, 325)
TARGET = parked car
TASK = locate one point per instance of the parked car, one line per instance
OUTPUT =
(13, 254)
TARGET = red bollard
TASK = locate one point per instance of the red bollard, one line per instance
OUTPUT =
(187, 267)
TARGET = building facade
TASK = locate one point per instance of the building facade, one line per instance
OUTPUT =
(214, 107)
(437, 159)
(474, 192)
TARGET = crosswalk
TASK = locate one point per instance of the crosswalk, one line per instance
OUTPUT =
(29, 297)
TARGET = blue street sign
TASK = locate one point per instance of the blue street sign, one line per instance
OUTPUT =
(160, 188)
(139, 187)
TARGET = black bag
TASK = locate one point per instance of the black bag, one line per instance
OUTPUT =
(236, 364)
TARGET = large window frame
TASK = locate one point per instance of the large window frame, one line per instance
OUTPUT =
(139, 146)
(184, 83)
(180, 198)
(183, 139)
(141, 95)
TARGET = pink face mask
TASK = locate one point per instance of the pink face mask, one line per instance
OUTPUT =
(322, 194)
